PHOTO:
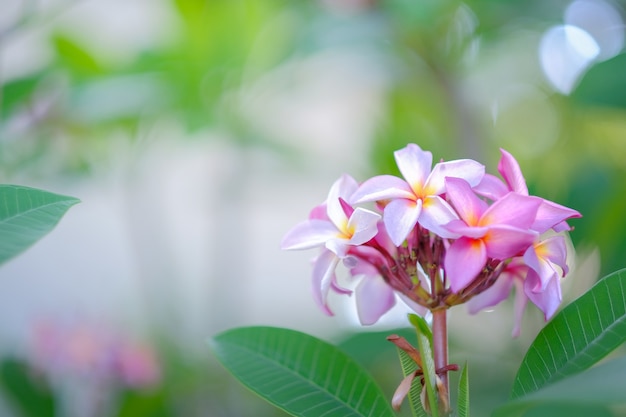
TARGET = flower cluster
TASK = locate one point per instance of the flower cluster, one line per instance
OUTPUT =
(439, 237)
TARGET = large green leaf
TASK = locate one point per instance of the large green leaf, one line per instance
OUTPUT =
(26, 215)
(579, 336)
(300, 374)
(599, 386)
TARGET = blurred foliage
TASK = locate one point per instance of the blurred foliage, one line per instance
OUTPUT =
(64, 116)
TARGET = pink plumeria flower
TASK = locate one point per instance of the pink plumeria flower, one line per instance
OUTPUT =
(343, 227)
(418, 199)
(550, 214)
(499, 231)
(535, 277)
(336, 230)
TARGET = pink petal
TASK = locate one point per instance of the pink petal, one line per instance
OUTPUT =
(365, 224)
(545, 272)
(503, 241)
(414, 164)
(492, 296)
(491, 187)
(464, 260)
(373, 299)
(467, 169)
(309, 234)
(339, 246)
(343, 188)
(555, 250)
(400, 217)
(553, 215)
(323, 276)
(382, 187)
(459, 228)
(548, 301)
(512, 174)
(514, 210)
(436, 213)
(319, 213)
(469, 207)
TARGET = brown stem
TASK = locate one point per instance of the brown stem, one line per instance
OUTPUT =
(440, 345)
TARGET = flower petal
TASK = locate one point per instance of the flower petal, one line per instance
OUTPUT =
(414, 164)
(323, 276)
(365, 225)
(513, 209)
(553, 215)
(309, 234)
(464, 260)
(541, 267)
(555, 250)
(400, 217)
(343, 188)
(512, 174)
(382, 187)
(459, 228)
(436, 213)
(373, 299)
(467, 169)
(468, 206)
(548, 300)
(503, 241)
(491, 187)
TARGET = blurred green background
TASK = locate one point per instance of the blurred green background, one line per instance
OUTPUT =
(196, 133)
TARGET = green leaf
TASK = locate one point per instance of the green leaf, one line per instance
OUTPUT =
(424, 341)
(408, 367)
(579, 336)
(463, 401)
(26, 215)
(299, 373)
(27, 390)
(602, 385)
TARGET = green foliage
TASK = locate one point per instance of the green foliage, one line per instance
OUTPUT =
(26, 215)
(600, 386)
(578, 337)
(408, 367)
(424, 341)
(28, 391)
(298, 373)
(463, 401)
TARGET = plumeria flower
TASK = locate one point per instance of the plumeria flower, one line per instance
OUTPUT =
(335, 226)
(499, 231)
(535, 276)
(549, 216)
(417, 198)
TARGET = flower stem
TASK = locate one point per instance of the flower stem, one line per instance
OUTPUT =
(440, 346)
